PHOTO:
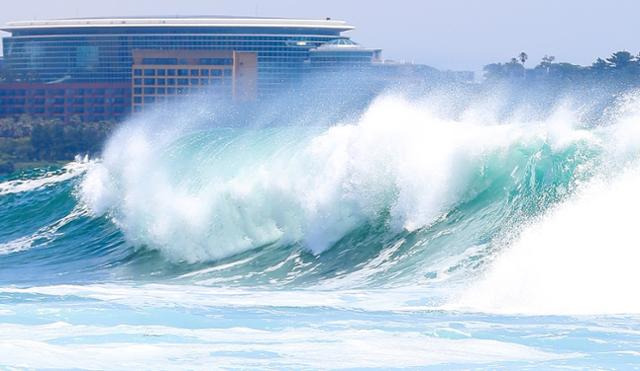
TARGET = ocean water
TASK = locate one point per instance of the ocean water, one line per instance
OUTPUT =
(401, 235)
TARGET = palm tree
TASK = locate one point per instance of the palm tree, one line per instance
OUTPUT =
(523, 57)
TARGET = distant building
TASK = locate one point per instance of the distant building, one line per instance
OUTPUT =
(104, 68)
(340, 53)
(161, 76)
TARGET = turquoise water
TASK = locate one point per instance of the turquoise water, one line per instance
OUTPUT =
(398, 237)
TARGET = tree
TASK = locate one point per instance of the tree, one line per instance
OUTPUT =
(621, 59)
(567, 71)
(515, 69)
(600, 67)
(546, 63)
(522, 57)
(548, 59)
(494, 71)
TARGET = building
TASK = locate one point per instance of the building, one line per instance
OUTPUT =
(161, 76)
(104, 68)
(342, 53)
(86, 101)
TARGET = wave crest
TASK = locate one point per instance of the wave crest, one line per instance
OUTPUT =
(208, 194)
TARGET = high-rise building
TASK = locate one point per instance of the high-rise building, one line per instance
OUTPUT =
(103, 68)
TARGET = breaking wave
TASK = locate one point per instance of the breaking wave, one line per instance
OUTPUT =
(516, 213)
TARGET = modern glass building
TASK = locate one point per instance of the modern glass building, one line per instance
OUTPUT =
(82, 56)
(341, 53)
(101, 50)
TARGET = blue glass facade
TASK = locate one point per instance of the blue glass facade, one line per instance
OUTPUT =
(341, 53)
(104, 54)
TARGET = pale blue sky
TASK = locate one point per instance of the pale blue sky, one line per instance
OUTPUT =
(448, 34)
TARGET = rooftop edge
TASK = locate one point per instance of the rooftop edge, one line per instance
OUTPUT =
(191, 21)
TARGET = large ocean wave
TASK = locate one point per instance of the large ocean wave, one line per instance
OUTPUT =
(518, 212)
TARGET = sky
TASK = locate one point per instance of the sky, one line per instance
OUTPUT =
(447, 34)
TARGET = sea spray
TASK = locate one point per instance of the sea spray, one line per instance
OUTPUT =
(208, 194)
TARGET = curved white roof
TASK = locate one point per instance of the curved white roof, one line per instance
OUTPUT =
(342, 44)
(195, 21)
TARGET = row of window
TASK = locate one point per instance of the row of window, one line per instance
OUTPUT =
(49, 101)
(180, 82)
(196, 34)
(208, 61)
(165, 91)
(24, 43)
(182, 72)
(139, 102)
(72, 92)
(61, 110)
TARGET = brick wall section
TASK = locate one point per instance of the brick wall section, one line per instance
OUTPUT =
(89, 102)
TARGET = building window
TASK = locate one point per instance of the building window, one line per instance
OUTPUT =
(216, 61)
(159, 61)
(137, 72)
(137, 99)
(149, 90)
(149, 72)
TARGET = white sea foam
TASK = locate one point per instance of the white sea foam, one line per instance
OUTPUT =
(307, 185)
(69, 171)
(241, 347)
(333, 342)
(580, 258)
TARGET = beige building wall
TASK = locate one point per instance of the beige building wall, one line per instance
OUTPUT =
(161, 76)
(245, 87)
